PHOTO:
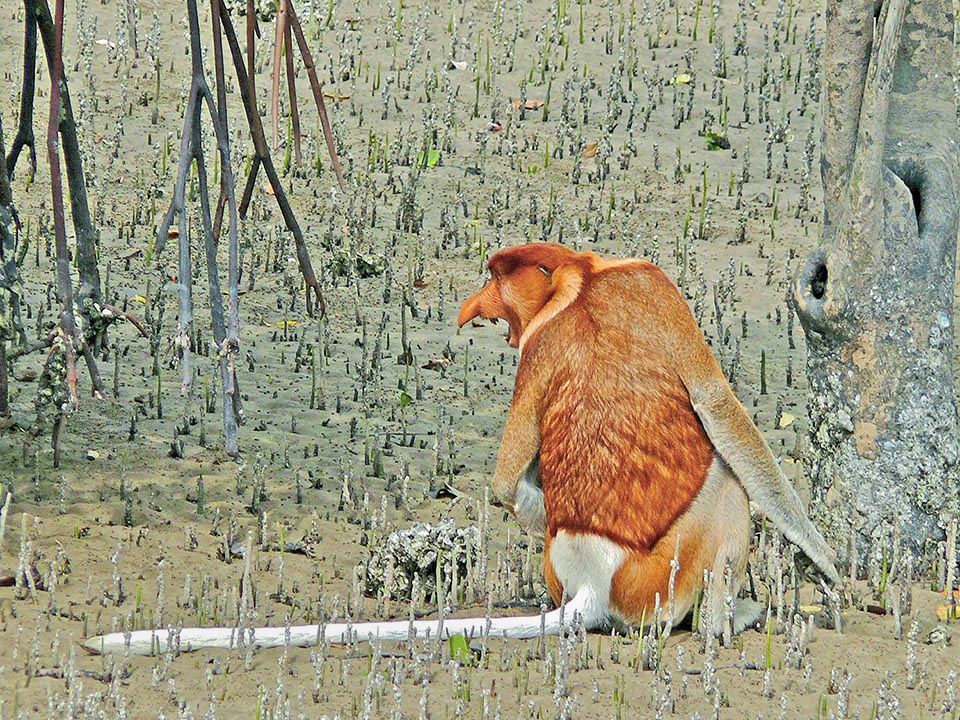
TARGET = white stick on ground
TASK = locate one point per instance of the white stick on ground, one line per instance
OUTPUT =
(150, 642)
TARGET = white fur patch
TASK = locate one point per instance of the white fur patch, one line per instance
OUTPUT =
(528, 503)
(585, 565)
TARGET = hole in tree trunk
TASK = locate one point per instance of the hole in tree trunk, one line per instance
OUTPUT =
(913, 177)
(917, 200)
(818, 285)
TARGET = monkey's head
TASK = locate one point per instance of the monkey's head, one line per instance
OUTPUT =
(521, 283)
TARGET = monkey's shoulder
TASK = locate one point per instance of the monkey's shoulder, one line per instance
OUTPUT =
(625, 298)
(641, 279)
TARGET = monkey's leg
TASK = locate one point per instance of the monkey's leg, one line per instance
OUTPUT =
(714, 532)
(731, 537)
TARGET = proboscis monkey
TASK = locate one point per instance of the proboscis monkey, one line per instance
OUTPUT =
(623, 443)
(624, 439)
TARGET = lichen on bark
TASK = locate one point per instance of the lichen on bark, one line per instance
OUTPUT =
(876, 298)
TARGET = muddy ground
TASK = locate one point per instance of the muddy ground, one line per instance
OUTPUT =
(683, 133)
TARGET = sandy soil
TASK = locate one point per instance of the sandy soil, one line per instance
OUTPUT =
(124, 535)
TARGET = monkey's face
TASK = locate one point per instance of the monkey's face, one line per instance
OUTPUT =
(520, 285)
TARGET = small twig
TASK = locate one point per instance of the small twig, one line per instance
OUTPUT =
(116, 313)
(31, 348)
(291, 83)
(59, 673)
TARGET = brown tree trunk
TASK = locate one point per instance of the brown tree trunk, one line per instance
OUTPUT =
(876, 298)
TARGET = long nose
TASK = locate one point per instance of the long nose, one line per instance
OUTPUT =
(482, 304)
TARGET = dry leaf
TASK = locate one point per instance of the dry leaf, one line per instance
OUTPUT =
(590, 150)
(269, 189)
(529, 104)
(436, 364)
(943, 612)
(786, 420)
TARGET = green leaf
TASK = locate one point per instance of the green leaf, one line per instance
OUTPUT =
(460, 650)
(433, 157)
(404, 399)
(716, 141)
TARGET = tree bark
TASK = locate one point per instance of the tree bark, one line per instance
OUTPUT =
(8, 275)
(876, 298)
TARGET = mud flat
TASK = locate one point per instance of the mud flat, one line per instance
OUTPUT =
(686, 134)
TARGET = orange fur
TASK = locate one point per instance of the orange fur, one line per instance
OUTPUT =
(554, 586)
(610, 359)
(622, 454)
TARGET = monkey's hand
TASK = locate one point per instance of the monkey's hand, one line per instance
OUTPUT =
(516, 481)
(527, 504)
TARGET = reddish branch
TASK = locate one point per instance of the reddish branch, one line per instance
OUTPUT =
(283, 46)
(66, 341)
(87, 268)
(311, 69)
(279, 25)
(285, 7)
(221, 107)
(262, 154)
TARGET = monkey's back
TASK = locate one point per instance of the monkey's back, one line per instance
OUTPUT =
(622, 452)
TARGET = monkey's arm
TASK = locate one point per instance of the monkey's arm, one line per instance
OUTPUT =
(516, 481)
(737, 440)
